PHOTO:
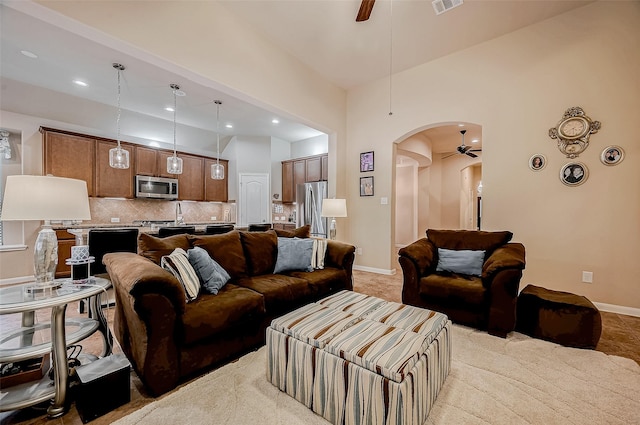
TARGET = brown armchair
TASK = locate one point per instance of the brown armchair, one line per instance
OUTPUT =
(487, 301)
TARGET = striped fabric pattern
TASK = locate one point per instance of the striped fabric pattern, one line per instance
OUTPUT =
(359, 360)
(419, 320)
(178, 264)
(314, 324)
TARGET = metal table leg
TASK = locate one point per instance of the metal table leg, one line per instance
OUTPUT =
(95, 312)
(59, 354)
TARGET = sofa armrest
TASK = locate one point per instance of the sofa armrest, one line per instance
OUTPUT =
(415, 259)
(422, 253)
(339, 255)
(508, 256)
(139, 276)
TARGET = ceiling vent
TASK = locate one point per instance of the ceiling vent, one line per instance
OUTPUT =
(441, 6)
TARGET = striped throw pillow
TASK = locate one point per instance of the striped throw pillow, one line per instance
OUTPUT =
(178, 264)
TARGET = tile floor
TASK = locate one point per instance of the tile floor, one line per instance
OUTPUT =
(620, 336)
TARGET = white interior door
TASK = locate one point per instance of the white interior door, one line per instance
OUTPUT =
(255, 200)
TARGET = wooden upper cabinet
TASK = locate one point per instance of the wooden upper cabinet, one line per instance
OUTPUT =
(325, 167)
(161, 165)
(113, 182)
(191, 181)
(146, 161)
(216, 190)
(288, 191)
(313, 169)
(299, 173)
(71, 156)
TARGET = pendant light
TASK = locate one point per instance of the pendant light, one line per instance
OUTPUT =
(118, 157)
(174, 164)
(217, 169)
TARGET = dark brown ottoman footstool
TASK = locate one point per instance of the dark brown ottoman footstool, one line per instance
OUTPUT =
(559, 317)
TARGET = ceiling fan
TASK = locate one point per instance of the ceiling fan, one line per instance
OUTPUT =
(464, 149)
(365, 10)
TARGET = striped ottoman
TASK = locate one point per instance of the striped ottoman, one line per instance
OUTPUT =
(356, 359)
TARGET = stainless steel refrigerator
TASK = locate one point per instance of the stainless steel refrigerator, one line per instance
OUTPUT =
(309, 198)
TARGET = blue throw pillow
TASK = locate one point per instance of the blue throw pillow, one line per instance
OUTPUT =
(294, 254)
(211, 274)
(462, 261)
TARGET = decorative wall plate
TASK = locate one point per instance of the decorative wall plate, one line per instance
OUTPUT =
(574, 173)
(537, 162)
(612, 155)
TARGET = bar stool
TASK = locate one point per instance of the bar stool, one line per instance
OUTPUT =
(163, 232)
(260, 227)
(216, 229)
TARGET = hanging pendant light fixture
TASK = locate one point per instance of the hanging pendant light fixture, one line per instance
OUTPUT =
(217, 169)
(174, 164)
(118, 157)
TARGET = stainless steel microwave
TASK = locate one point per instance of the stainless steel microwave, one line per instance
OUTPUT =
(156, 187)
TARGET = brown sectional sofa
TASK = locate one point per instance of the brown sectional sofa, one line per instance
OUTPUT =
(169, 340)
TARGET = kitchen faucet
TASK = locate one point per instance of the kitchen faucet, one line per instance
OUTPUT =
(179, 221)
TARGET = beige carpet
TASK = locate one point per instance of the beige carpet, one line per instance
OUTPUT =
(494, 381)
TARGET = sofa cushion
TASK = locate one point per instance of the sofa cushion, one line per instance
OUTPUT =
(226, 249)
(300, 232)
(454, 289)
(178, 264)
(260, 250)
(294, 254)
(155, 248)
(281, 293)
(212, 275)
(323, 282)
(464, 261)
(468, 239)
(209, 315)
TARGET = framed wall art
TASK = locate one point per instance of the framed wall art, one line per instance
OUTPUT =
(574, 173)
(366, 161)
(366, 186)
(537, 162)
(612, 155)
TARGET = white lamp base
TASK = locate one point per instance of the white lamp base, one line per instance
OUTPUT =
(45, 257)
(332, 229)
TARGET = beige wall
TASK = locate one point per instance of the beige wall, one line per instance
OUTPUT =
(517, 87)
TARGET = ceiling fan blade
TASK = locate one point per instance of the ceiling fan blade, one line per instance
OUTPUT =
(475, 150)
(471, 154)
(365, 10)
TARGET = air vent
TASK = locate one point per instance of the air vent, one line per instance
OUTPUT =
(441, 6)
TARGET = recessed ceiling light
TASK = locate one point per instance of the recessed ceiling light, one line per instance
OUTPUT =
(275, 121)
(154, 144)
(80, 83)
(475, 141)
(460, 125)
(229, 125)
(29, 54)
(168, 108)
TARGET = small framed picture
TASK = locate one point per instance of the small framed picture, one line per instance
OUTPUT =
(537, 162)
(366, 161)
(574, 173)
(612, 155)
(366, 186)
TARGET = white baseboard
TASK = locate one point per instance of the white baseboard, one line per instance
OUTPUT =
(375, 270)
(619, 309)
(15, 280)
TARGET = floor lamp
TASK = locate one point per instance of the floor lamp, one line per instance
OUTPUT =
(45, 198)
(334, 208)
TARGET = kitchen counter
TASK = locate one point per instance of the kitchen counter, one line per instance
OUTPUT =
(143, 227)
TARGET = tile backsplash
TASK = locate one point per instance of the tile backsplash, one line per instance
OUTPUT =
(129, 210)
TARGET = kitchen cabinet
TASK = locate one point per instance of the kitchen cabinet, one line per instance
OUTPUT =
(113, 182)
(284, 226)
(216, 190)
(191, 181)
(69, 155)
(65, 241)
(146, 161)
(302, 170)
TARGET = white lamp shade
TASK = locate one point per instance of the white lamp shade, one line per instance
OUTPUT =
(45, 198)
(334, 208)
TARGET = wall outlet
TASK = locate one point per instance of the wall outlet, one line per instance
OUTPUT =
(115, 219)
(587, 277)
(384, 200)
(359, 251)
(214, 218)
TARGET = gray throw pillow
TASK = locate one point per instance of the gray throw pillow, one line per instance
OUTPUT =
(211, 274)
(461, 261)
(294, 254)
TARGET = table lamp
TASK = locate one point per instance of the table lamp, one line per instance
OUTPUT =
(333, 208)
(45, 198)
